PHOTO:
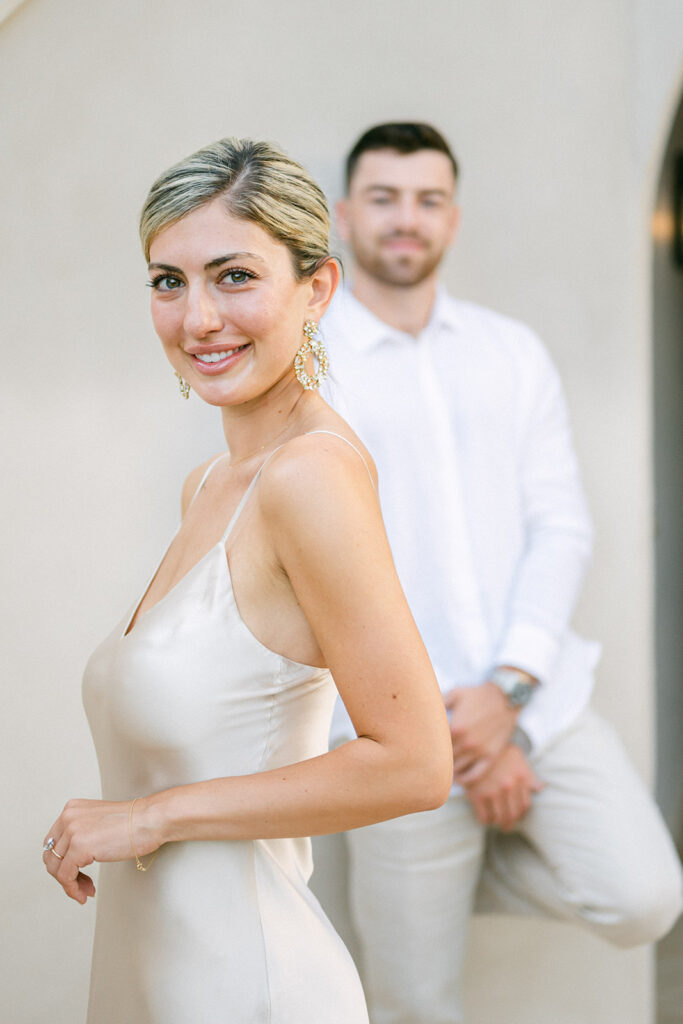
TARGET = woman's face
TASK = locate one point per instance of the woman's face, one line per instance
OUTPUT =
(226, 304)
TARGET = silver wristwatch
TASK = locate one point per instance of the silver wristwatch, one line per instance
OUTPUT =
(514, 684)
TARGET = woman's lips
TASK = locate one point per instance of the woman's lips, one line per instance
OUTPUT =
(211, 363)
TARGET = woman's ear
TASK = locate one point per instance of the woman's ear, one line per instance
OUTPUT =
(323, 283)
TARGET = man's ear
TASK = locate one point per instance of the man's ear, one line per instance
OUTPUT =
(323, 285)
(341, 215)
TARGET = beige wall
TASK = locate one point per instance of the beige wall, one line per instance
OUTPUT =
(7, 7)
(558, 111)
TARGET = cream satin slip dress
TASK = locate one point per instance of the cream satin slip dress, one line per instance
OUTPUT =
(215, 932)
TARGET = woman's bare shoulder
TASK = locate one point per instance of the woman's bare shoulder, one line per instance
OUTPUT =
(319, 489)
(329, 454)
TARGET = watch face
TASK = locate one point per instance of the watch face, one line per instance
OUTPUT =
(520, 694)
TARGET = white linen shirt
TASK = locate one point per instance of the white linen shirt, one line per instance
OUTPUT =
(480, 493)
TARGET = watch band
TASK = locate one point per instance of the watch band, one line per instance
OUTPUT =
(515, 684)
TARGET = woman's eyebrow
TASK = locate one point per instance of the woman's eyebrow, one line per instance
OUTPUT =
(216, 262)
(232, 256)
(163, 266)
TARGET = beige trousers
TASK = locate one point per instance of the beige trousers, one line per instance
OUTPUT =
(593, 849)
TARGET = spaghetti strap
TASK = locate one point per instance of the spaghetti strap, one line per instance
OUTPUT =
(351, 445)
(245, 497)
(208, 469)
(243, 500)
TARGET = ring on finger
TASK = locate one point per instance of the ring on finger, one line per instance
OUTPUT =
(57, 855)
(49, 843)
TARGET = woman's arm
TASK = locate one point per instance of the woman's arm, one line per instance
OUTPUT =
(327, 533)
(324, 518)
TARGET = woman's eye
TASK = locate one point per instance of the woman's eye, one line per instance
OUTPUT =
(237, 276)
(165, 283)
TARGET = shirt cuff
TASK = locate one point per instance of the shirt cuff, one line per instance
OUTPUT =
(530, 648)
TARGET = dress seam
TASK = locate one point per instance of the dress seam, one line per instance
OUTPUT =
(266, 748)
(271, 714)
(266, 958)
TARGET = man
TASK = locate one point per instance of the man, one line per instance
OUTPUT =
(464, 414)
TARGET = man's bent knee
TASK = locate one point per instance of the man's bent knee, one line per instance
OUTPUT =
(645, 912)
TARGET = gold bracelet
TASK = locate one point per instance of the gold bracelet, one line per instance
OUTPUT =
(138, 863)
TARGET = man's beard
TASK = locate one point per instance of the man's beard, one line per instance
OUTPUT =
(403, 270)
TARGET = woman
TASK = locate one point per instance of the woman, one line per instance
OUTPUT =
(210, 703)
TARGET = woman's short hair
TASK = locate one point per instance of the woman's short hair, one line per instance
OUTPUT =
(257, 182)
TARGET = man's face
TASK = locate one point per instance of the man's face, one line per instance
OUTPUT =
(399, 216)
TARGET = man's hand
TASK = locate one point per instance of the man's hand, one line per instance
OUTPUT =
(503, 795)
(482, 723)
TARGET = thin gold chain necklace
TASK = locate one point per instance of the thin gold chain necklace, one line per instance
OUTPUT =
(261, 448)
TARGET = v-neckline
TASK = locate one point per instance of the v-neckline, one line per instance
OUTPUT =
(134, 619)
(227, 572)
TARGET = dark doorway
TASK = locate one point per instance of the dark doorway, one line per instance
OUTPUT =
(668, 463)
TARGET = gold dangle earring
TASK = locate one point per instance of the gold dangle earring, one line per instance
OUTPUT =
(311, 347)
(183, 385)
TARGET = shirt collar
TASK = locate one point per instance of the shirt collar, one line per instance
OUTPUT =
(367, 331)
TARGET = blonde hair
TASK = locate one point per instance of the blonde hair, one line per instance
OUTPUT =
(258, 183)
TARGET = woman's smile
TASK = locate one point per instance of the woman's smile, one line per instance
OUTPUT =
(211, 362)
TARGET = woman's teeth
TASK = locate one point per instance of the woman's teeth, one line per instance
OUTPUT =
(215, 357)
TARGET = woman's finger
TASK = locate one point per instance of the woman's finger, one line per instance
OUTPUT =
(75, 883)
(52, 834)
(50, 840)
(52, 857)
(78, 888)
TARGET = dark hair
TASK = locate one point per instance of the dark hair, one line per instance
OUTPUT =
(402, 136)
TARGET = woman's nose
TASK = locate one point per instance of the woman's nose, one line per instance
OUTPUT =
(202, 316)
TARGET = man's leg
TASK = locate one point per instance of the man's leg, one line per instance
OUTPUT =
(412, 882)
(593, 849)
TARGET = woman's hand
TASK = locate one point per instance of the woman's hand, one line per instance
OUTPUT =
(88, 831)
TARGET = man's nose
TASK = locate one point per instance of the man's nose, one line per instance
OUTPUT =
(407, 215)
(202, 316)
